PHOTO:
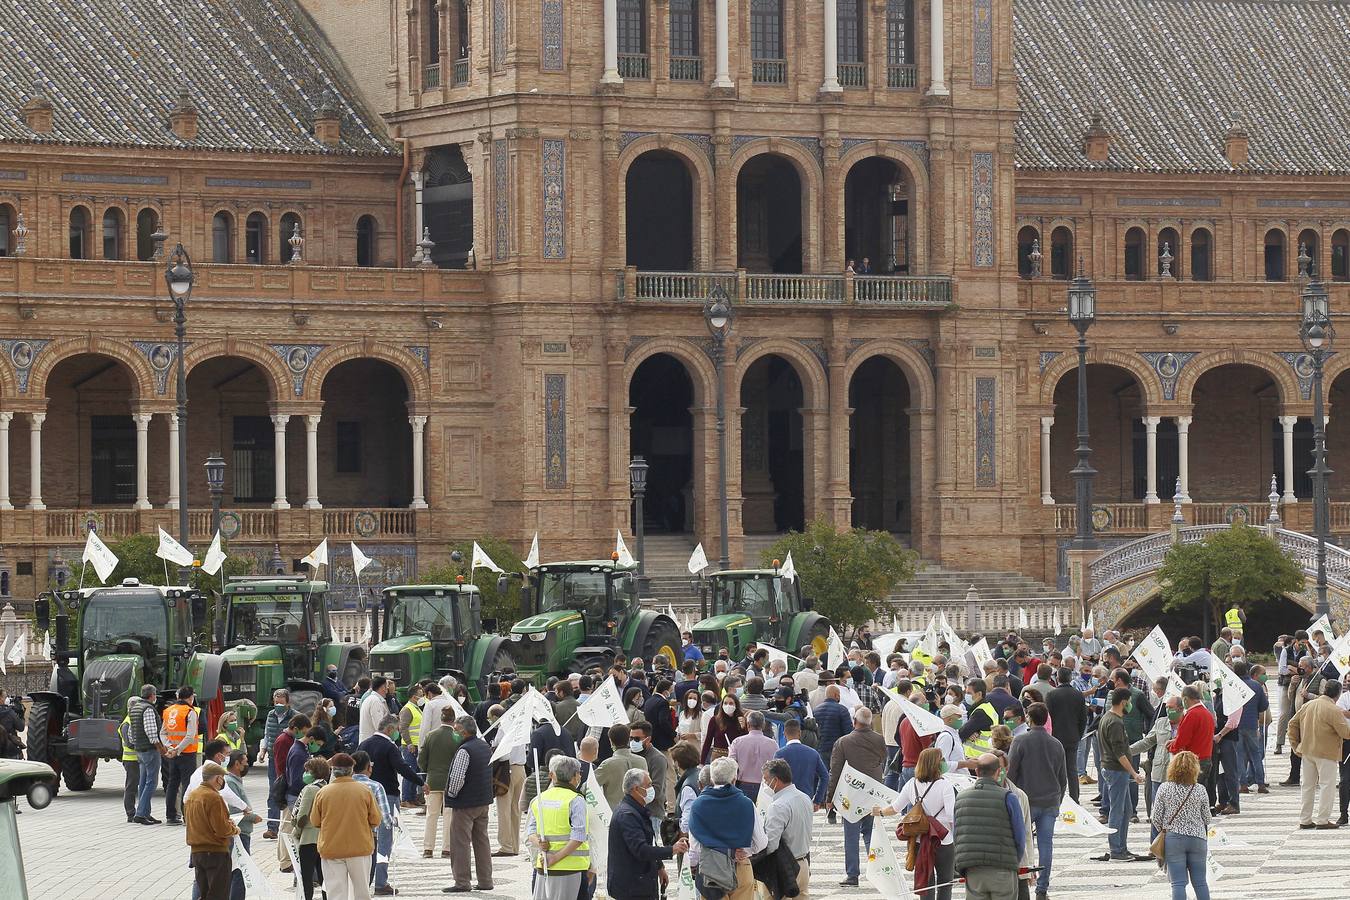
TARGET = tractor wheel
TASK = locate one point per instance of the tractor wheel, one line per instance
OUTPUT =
(39, 734)
(818, 639)
(503, 661)
(663, 640)
(587, 663)
(356, 670)
(79, 771)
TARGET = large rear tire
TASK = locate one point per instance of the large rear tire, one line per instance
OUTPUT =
(79, 772)
(663, 639)
(39, 737)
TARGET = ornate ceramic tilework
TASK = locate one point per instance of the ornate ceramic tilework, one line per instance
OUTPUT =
(161, 356)
(297, 358)
(1168, 366)
(555, 430)
(985, 439)
(818, 349)
(21, 354)
(498, 35)
(982, 74)
(555, 199)
(1047, 357)
(395, 564)
(422, 352)
(552, 38)
(982, 209)
(925, 348)
(501, 208)
(1302, 365)
(811, 144)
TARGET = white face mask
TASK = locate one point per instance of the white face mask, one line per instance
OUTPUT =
(729, 708)
(650, 796)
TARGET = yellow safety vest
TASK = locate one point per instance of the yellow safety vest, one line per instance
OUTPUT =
(234, 743)
(414, 726)
(982, 742)
(553, 823)
(1233, 619)
(921, 656)
(128, 751)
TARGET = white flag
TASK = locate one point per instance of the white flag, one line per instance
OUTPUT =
(835, 653)
(788, 572)
(1022, 623)
(318, 556)
(856, 794)
(1323, 624)
(1074, 819)
(884, 643)
(1088, 623)
(481, 560)
(1054, 621)
(1236, 693)
(456, 706)
(698, 560)
(603, 708)
(540, 709)
(1340, 654)
(366, 635)
(625, 558)
(1154, 654)
(885, 870)
(359, 559)
(532, 559)
(255, 882)
(172, 551)
(47, 646)
(928, 642)
(4, 652)
(18, 651)
(923, 722)
(1174, 686)
(215, 557)
(97, 553)
(511, 734)
(598, 815)
(775, 653)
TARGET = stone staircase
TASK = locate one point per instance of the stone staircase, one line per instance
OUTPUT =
(667, 565)
(936, 584)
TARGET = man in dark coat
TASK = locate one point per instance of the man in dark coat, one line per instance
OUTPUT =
(657, 711)
(387, 762)
(635, 870)
(1068, 718)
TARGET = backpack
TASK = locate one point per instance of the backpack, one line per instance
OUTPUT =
(914, 824)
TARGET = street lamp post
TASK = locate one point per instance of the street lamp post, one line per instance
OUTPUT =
(637, 481)
(179, 277)
(718, 314)
(1082, 312)
(1317, 335)
(215, 483)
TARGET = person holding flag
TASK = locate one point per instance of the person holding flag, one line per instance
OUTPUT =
(556, 829)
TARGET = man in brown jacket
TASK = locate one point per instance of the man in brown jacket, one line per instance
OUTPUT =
(865, 750)
(1315, 733)
(345, 814)
(209, 831)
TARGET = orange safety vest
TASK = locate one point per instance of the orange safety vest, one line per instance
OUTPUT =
(175, 726)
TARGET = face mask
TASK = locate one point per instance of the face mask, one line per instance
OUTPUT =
(970, 698)
(279, 707)
(394, 736)
(1001, 776)
(307, 778)
(331, 710)
(421, 701)
(232, 728)
(1129, 707)
(958, 724)
(693, 703)
(650, 796)
(1174, 715)
(315, 747)
(943, 767)
(636, 747)
(1263, 678)
(729, 708)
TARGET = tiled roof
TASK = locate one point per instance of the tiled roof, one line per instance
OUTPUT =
(1170, 77)
(256, 71)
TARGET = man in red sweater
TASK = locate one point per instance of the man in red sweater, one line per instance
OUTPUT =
(1195, 731)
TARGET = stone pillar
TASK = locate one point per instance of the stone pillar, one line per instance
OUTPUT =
(1046, 497)
(1183, 456)
(831, 39)
(312, 462)
(1151, 453)
(419, 425)
(611, 75)
(5, 419)
(839, 497)
(1287, 423)
(173, 460)
(723, 77)
(279, 423)
(417, 180)
(937, 50)
(142, 421)
(35, 420)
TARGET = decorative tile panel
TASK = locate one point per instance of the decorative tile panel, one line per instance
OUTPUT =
(161, 356)
(925, 348)
(1047, 357)
(986, 440)
(501, 208)
(297, 358)
(112, 178)
(21, 355)
(393, 564)
(982, 66)
(811, 144)
(818, 349)
(1169, 201)
(1168, 367)
(634, 341)
(982, 209)
(422, 352)
(555, 199)
(1302, 365)
(551, 39)
(499, 36)
(555, 430)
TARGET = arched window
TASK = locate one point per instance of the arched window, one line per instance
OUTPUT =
(1061, 252)
(222, 238)
(1274, 255)
(851, 34)
(432, 18)
(900, 70)
(1028, 242)
(365, 241)
(147, 223)
(1134, 254)
(1169, 245)
(465, 35)
(7, 220)
(1340, 255)
(290, 226)
(113, 234)
(255, 239)
(768, 65)
(79, 233)
(685, 62)
(633, 39)
(1202, 255)
(1309, 242)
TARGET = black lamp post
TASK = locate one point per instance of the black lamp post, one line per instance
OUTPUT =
(637, 481)
(1317, 335)
(178, 276)
(215, 483)
(717, 313)
(1082, 312)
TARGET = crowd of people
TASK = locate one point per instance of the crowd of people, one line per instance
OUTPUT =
(723, 764)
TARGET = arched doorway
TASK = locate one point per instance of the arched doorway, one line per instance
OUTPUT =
(769, 215)
(659, 208)
(877, 197)
(772, 445)
(880, 463)
(1118, 437)
(1235, 409)
(1266, 621)
(447, 207)
(89, 436)
(365, 439)
(661, 429)
(228, 413)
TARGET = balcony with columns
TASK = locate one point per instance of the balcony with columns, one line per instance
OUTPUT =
(924, 292)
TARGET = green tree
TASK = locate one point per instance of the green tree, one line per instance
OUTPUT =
(504, 607)
(850, 573)
(1239, 566)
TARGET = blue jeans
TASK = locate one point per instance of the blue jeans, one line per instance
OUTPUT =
(906, 775)
(273, 813)
(851, 832)
(1252, 756)
(1151, 791)
(1089, 742)
(891, 779)
(145, 789)
(1185, 857)
(384, 846)
(1043, 820)
(409, 786)
(749, 789)
(1118, 789)
(1229, 763)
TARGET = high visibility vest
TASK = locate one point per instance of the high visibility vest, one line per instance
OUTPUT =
(415, 726)
(553, 822)
(982, 742)
(175, 726)
(921, 656)
(1233, 619)
(236, 743)
(124, 733)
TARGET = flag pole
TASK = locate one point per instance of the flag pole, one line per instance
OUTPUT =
(538, 791)
(84, 565)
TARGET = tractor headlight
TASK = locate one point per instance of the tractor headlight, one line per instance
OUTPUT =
(517, 636)
(538, 636)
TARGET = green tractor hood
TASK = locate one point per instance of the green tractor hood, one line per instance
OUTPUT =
(545, 621)
(253, 653)
(723, 622)
(117, 676)
(402, 644)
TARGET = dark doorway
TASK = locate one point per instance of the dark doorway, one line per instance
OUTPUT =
(769, 215)
(772, 480)
(879, 442)
(1169, 458)
(447, 208)
(1266, 621)
(661, 430)
(659, 205)
(112, 453)
(253, 460)
(876, 217)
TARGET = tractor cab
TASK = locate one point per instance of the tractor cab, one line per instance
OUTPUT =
(285, 613)
(745, 605)
(582, 610)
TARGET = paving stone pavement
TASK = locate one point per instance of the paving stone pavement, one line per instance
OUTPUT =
(80, 847)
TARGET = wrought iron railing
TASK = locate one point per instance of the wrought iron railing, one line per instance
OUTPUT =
(768, 71)
(853, 74)
(431, 77)
(686, 68)
(636, 66)
(902, 77)
(460, 75)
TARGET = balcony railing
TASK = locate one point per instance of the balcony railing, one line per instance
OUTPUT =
(70, 526)
(431, 77)
(683, 286)
(902, 77)
(460, 75)
(924, 292)
(899, 290)
(853, 74)
(686, 68)
(634, 65)
(810, 289)
(768, 71)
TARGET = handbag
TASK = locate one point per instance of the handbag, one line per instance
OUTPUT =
(1159, 846)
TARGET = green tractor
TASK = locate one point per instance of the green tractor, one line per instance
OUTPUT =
(744, 605)
(432, 630)
(582, 614)
(127, 636)
(276, 634)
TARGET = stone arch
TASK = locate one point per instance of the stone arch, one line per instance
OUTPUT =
(911, 363)
(696, 363)
(9, 388)
(278, 378)
(808, 172)
(142, 377)
(1135, 365)
(917, 171)
(701, 176)
(1272, 365)
(815, 388)
(414, 373)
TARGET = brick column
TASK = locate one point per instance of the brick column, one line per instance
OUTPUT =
(839, 500)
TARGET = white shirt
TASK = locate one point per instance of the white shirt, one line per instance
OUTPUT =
(231, 798)
(951, 748)
(431, 717)
(939, 801)
(849, 697)
(373, 710)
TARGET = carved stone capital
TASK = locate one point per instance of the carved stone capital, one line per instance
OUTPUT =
(522, 133)
(485, 138)
(581, 134)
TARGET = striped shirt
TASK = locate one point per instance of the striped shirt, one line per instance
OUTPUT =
(150, 722)
(381, 799)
